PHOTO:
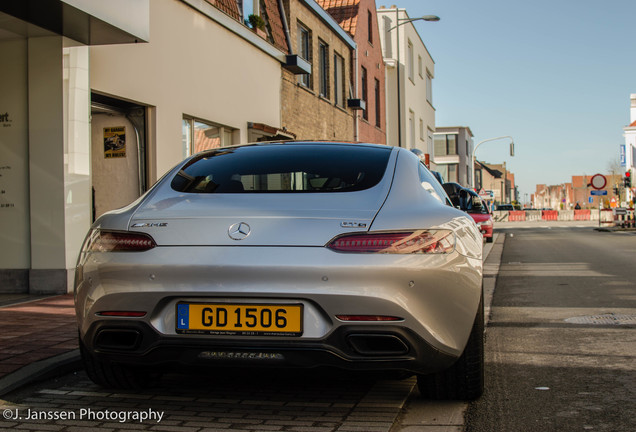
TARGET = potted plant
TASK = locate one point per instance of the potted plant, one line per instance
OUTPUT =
(257, 24)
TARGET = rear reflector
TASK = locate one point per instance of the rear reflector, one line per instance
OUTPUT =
(421, 241)
(129, 314)
(117, 241)
(367, 318)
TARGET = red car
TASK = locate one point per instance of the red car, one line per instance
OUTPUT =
(479, 211)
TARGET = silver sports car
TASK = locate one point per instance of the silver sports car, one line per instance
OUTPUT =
(297, 254)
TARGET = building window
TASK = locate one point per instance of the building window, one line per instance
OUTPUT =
(365, 94)
(419, 66)
(338, 79)
(412, 128)
(409, 59)
(429, 142)
(324, 69)
(452, 173)
(199, 135)
(304, 50)
(370, 25)
(388, 41)
(421, 129)
(429, 87)
(378, 117)
(445, 144)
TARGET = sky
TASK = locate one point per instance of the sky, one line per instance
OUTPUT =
(556, 75)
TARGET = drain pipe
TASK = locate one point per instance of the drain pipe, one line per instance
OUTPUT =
(281, 10)
(356, 115)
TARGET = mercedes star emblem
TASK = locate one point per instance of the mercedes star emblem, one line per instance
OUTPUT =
(239, 231)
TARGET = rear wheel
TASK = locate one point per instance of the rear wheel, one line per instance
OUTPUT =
(464, 380)
(489, 239)
(113, 375)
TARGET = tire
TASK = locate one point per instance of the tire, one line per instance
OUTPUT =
(113, 375)
(464, 380)
(489, 239)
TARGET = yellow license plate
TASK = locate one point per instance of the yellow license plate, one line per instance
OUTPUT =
(240, 319)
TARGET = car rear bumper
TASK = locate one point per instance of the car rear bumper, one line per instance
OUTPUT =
(486, 230)
(385, 348)
(434, 296)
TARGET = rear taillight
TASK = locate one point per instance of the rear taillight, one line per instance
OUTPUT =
(126, 314)
(117, 241)
(368, 318)
(409, 242)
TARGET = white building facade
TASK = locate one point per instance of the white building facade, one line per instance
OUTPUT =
(45, 184)
(102, 100)
(203, 80)
(410, 70)
(628, 150)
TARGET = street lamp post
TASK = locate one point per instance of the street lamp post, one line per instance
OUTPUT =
(512, 152)
(430, 18)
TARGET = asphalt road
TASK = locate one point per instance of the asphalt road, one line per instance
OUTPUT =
(561, 341)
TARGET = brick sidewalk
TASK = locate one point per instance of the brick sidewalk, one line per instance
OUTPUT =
(35, 331)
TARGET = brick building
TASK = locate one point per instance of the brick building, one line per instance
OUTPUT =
(359, 19)
(315, 105)
(496, 179)
(565, 196)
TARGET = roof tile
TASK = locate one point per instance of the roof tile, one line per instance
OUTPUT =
(230, 7)
(345, 12)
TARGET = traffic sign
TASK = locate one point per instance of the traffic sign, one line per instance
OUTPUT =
(598, 181)
(598, 192)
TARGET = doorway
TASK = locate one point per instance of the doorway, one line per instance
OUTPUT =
(118, 162)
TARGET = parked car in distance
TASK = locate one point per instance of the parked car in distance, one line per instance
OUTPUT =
(454, 192)
(504, 207)
(299, 254)
(478, 209)
(469, 201)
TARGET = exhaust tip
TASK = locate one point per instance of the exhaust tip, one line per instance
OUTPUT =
(118, 339)
(378, 344)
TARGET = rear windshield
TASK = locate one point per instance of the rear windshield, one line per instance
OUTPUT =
(284, 168)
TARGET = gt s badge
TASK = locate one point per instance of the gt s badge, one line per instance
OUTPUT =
(353, 224)
(149, 225)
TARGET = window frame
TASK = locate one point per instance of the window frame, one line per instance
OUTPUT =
(304, 51)
(370, 26)
(429, 87)
(323, 70)
(450, 178)
(378, 104)
(447, 144)
(189, 126)
(412, 128)
(409, 59)
(364, 75)
(338, 76)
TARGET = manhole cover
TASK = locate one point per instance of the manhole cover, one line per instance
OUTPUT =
(604, 319)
